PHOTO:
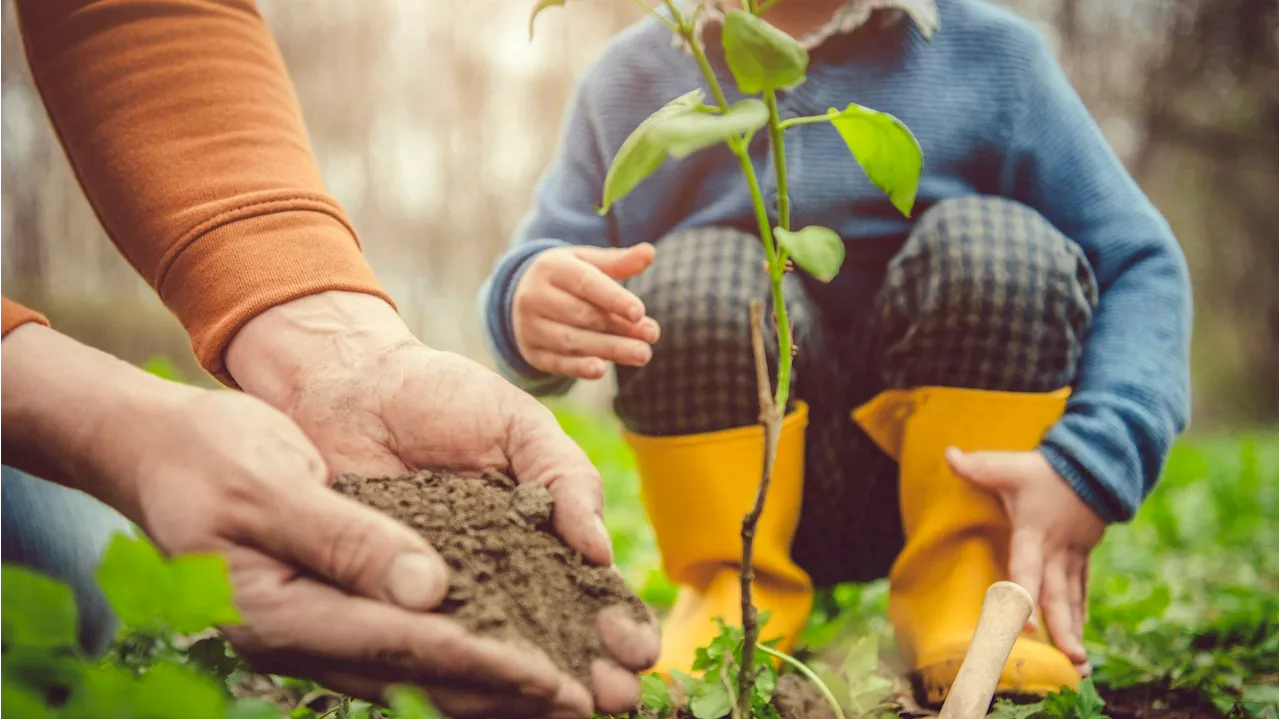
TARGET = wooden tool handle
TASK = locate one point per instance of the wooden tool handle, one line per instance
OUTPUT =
(1004, 613)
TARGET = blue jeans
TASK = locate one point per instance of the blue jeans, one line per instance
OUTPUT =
(61, 532)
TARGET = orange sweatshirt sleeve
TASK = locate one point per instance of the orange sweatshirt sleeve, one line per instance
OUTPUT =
(14, 315)
(182, 126)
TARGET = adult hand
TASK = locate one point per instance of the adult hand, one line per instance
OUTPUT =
(327, 588)
(376, 401)
(571, 314)
(1054, 532)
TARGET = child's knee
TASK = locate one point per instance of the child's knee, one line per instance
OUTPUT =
(698, 290)
(986, 293)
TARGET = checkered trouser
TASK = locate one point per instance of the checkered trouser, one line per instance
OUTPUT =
(983, 294)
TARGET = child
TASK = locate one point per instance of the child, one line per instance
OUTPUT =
(1015, 356)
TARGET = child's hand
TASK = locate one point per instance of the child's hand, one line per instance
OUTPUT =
(1053, 533)
(570, 313)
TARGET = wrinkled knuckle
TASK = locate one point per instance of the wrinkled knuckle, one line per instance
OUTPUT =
(568, 340)
(352, 549)
(585, 317)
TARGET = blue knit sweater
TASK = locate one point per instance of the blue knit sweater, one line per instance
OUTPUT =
(994, 115)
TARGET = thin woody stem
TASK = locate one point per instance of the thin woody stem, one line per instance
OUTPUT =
(772, 421)
(772, 406)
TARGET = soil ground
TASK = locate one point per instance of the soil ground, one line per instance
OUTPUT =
(510, 577)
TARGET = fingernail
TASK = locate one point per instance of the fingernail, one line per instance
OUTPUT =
(635, 314)
(643, 355)
(653, 332)
(603, 531)
(416, 581)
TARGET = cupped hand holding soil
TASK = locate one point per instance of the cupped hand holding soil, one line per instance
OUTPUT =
(512, 580)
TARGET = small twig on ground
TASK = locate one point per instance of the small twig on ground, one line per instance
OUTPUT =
(771, 419)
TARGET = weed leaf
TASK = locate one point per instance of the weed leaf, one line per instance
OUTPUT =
(818, 250)
(886, 150)
(150, 593)
(253, 709)
(1005, 709)
(867, 689)
(39, 611)
(710, 700)
(1088, 703)
(410, 703)
(654, 694)
(168, 691)
(678, 128)
(202, 593)
(760, 56)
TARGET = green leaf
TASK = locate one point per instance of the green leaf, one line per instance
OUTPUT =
(1088, 703)
(710, 700)
(32, 674)
(1005, 709)
(886, 150)
(150, 593)
(104, 692)
(867, 689)
(17, 700)
(817, 250)
(132, 576)
(765, 684)
(201, 593)
(168, 691)
(254, 709)
(1261, 694)
(35, 610)
(687, 683)
(538, 8)
(760, 56)
(685, 133)
(654, 694)
(677, 129)
(410, 703)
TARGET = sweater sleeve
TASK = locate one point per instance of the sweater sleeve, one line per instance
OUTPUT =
(563, 213)
(14, 315)
(182, 127)
(1132, 395)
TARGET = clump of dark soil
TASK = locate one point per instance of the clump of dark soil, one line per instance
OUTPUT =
(510, 577)
(1154, 701)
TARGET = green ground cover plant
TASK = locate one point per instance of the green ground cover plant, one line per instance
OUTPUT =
(1183, 603)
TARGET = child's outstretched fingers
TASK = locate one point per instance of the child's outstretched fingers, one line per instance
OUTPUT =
(1052, 533)
(571, 315)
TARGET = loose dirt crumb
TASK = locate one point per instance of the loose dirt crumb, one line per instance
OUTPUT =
(510, 578)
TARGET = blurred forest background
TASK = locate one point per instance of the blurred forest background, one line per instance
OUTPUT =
(432, 120)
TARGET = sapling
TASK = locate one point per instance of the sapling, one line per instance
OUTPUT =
(763, 61)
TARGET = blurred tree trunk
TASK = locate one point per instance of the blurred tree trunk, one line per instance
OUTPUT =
(1210, 115)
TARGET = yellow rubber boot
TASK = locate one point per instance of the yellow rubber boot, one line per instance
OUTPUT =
(696, 489)
(957, 536)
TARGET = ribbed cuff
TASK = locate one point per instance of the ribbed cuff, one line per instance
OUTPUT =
(1080, 462)
(497, 297)
(228, 275)
(14, 315)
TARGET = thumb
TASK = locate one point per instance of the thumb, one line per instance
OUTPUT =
(355, 548)
(619, 263)
(992, 471)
